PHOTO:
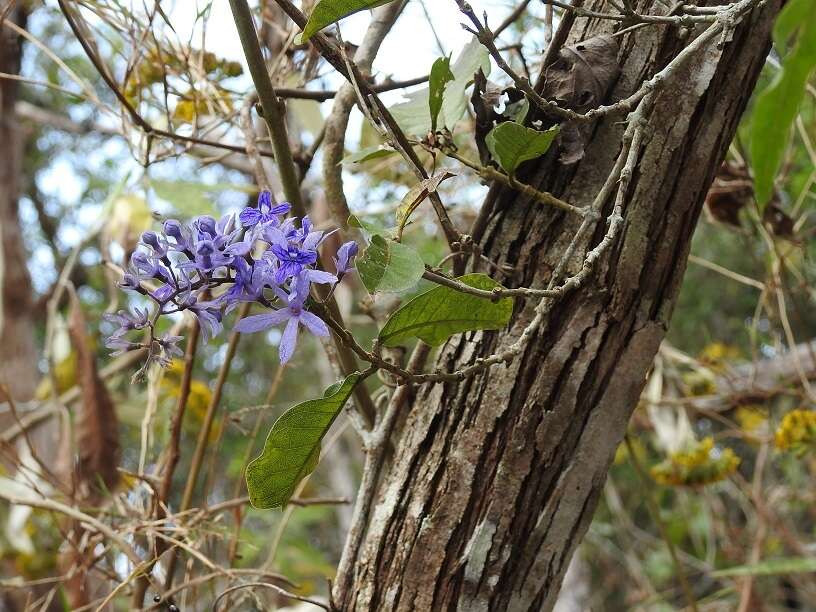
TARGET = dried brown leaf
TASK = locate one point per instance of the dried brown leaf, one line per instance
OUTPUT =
(579, 80)
(97, 427)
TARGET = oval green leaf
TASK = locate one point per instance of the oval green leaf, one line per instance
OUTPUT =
(292, 448)
(436, 315)
(368, 154)
(439, 77)
(328, 12)
(511, 144)
(389, 266)
(777, 105)
(413, 116)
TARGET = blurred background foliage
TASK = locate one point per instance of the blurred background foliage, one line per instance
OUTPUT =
(725, 475)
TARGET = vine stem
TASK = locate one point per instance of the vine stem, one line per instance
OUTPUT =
(204, 436)
(274, 110)
(273, 107)
(173, 455)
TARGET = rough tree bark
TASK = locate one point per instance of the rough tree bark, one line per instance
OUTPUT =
(18, 364)
(495, 480)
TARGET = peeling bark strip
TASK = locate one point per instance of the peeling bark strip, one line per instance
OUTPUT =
(495, 480)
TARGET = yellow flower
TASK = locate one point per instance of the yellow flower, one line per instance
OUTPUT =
(716, 354)
(797, 432)
(197, 401)
(753, 421)
(699, 464)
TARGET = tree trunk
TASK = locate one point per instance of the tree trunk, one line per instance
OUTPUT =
(18, 364)
(495, 480)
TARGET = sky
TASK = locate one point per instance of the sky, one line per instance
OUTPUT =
(409, 49)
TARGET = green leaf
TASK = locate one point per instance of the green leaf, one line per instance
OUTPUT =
(328, 12)
(416, 195)
(771, 567)
(440, 76)
(368, 154)
(511, 144)
(370, 229)
(389, 266)
(777, 105)
(413, 116)
(292, 448)
(434, 316)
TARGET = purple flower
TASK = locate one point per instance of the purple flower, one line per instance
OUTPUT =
(169, 348)
(345, 254)
(209, 319)
(120, 345)
(130, 281)
(175, 230)
(265, 213)
(294, 315)
(247, 287)
(159, 246)
(208, 266)
(163, 294)
(147, 267)
(127, 321)
(291, 261)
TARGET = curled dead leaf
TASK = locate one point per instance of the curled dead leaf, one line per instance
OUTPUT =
(731, 190)
(780, 223)
(96, 423)
(579, 80)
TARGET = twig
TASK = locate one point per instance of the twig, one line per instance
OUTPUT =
(273, 108)
(655, 512)
(140, 121)
(204, 434)
(490, 173)
(725, 18)
(337, 121)
(266, 585)
(173, 453)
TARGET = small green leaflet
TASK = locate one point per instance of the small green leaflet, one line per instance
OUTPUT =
(440, 76)
(413, 116)
(511, 144)
(389, 266)
(771, 567)
(368, 154)
(415, 197)
(436, 315)
(776, 106)
(328, 12)
(292, 448)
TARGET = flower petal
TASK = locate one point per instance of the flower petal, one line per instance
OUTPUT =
(250, 217)
(256, 323)
(314, 323)
(275, 236)
(280, 209)
(288, 340)
(320, 277)
(264, 201)
(312, 240)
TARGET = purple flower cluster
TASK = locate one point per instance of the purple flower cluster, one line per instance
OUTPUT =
(208, 267)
